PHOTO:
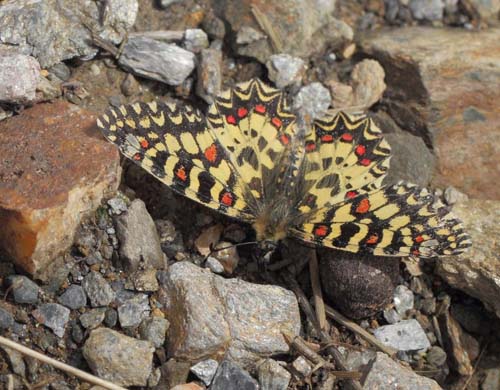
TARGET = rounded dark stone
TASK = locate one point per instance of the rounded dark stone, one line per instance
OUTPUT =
(357, 285)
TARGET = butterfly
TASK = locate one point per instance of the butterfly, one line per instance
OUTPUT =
(250, 159)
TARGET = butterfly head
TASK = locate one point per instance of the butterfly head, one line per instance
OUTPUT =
(265, 250)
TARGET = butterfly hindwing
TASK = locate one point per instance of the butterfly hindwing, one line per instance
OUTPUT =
(400, 220)
(175, 144)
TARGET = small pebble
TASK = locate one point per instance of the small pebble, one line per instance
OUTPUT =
(272, 376)
(392, 316)
(406, 335)
(77, 333)
(302, 366)
(403, 300)
(214, 265)
(248, 35)
(110, 317)
(92, 318)
(95, 70)
(6, 319)
(154, 329)
(230, 376)
(285, 70)
(74, 297)
(205, 370)
(436, 356)
(23, 289)
(117, 206)
(53, 316)
(98, 289)
(133, 311)
(453, 196)
(61, 71)
(312, 100)
(130, 86)
(195, 40)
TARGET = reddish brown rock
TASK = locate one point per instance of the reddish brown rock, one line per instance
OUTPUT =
(443, 86)
(54, 168)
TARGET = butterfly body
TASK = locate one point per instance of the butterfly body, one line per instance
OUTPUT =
(323, 185)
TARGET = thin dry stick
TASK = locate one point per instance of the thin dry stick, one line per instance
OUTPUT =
(476, 365)
(57, 364)
(300, 345)
(265, 25)
(353, 327)
(319, 304)
(325, 337)
(160, 35)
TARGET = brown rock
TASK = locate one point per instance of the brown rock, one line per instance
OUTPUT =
(448, 81)
(358, 286)
(476, 271)
(55, 167)
(367, 80)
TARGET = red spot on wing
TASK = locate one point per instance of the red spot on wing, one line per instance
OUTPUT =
(310, 146)
(360, 150)
(373, 239)
(211, 153)
(285, 139)
(365, 162)
(231, 119)
(351, 194)
(260, 108)
(327, 138)
(181, 173)
(242, 112)
(276, 122)
(346, 137)
(137, 157)
(363, 206)
(419, 239)
(144, 144)
(321, 231)
(415, 252)
(227, 199)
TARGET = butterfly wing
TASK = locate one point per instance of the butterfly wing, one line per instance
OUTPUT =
(400, 220)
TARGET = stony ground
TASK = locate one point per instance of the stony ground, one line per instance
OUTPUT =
(104, 268)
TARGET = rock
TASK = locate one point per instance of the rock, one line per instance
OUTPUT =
(19, 77)
(214, 265)
(208, 238)
(301, 27)
(173, 373)
(406, 335)
(145, 280)
(61, 71)
(24, 21)
(272, 376)
(133, 311)
(195, 40)
(154, 329)
(111, 317)
(6, 319)
(209, 74)
(427, 9)
(391, 316)
(188, 386)
(53, 316)
(302, 366)
(205, 370)
(358, 286)
(47, 90)
(436, 356)
(208, 316)
(476, 271)
(130, 86)
(227, 255)
(491, 379)
(312, 101)
(229, 376)
(342, 94)
(15, 361)
(452, 196)
(93, 318)
(139, 243)
(367, 80)
(156, 60)
(285, 70)
(120, 359)
(74, 297)
(446, 94)
(213, 25)
(48, 182)
(117, 205)
(385, 373)
(23, 289)
(487, 9)
(403, 300)
(98, 289)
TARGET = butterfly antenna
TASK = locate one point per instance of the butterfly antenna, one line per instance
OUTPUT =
(230, 246)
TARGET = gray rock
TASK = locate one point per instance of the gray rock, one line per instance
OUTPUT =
(98, 289)
(248, 35)
(157, 60)
(120, 359)
(406, 335)
(133, 311)
(272, 376)
(145, 280)
(195, 40)
(74, 297)
(428, 306)
(312, 100)
(302, 366)
(285, 70)
(209, 315)
(6, 319)
(403, 300)
(213, 25)
(488, 9)
(229, 376)
(53, 316)
(61, 71)
(16, 361)
(118, 205)
(205, 370)
(19, 76)
(391, 316)
(111, 317)
(452, 196)
(53, 31)
(23, 289)
(436, 356)
(427, 9)
(385, 373)
(139, 242)
(93, 318)
(214, 265)
(154, 329)
(209, 74)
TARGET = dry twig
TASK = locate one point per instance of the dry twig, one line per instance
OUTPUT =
(319, 304)
(267, 27)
